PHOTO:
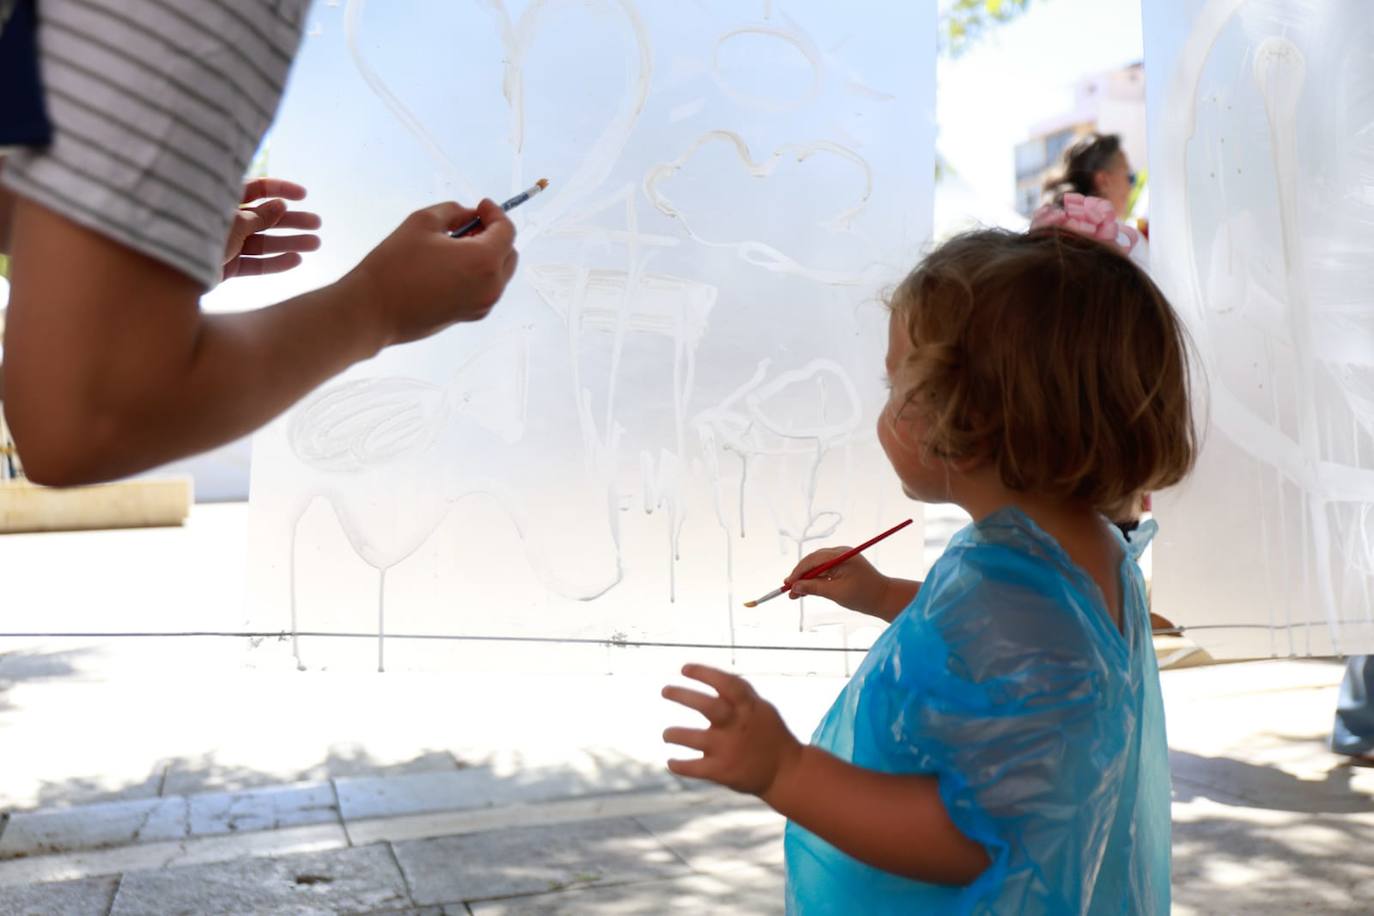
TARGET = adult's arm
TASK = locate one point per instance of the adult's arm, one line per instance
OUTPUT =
(111, 367)
(6, 210)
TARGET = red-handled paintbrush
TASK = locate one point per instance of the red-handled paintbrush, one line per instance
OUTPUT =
(829, 564)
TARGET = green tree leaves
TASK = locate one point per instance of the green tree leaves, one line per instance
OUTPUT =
(964, 22)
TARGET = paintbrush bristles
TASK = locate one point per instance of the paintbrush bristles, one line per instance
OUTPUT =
(768, 597)
(542, 183)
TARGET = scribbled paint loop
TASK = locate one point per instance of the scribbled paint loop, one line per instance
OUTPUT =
(366, 423)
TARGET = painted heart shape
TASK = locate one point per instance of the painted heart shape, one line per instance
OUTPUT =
(517, 37)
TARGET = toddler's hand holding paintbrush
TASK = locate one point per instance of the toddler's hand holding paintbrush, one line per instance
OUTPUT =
(855, 584)
(841, 575)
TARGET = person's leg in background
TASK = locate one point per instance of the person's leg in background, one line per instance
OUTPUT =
(1353, 733)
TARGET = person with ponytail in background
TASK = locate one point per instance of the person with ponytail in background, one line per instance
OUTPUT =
(1095, 166)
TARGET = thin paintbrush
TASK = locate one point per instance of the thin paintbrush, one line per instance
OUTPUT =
(472, 224)
(829, 564)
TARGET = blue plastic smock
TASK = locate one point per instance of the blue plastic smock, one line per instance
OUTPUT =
(1008, 681)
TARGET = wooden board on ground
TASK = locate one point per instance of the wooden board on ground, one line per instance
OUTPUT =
(26, 507)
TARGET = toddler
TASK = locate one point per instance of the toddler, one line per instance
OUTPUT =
(1001, 749)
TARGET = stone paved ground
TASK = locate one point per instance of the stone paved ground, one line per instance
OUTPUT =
(148, 778)
(1266, 821)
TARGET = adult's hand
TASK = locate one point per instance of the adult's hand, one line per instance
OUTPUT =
(419, 280)
(112, 368)
(249, 251)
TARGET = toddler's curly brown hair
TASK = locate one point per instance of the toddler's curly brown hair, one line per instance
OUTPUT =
(1052, 356)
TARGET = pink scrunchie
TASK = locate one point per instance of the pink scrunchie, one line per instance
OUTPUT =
(1092, 217)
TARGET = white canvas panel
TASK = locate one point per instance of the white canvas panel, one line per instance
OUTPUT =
(1262, 162)
(676, 398)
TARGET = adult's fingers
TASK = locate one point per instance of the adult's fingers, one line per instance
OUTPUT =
(508, 267)
(694, 738)
(259, 188)
(256, 267)
(275, 244)
(716, 710)
(263, 216)
(446, 216)
(300, 219)
(497, 229)
(731, 688)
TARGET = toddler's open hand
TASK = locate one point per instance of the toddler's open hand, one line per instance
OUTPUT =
(746, 746)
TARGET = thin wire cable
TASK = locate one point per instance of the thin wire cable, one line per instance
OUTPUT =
(286, 634)
(546, 640)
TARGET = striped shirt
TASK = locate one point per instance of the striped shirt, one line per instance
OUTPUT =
(157, 107)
